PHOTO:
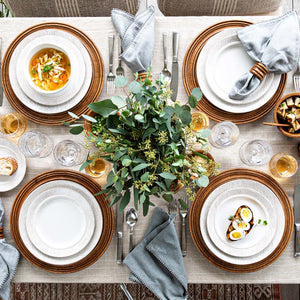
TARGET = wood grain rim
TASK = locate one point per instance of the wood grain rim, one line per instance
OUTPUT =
(227, 176)
(189, 76)
(281, 129)
(90, 185)
(92, 94)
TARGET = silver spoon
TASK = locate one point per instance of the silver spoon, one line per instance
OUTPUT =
(165, 72)
(131, 219)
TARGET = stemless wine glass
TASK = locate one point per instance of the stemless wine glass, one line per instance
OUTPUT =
(224, 134)
(199, 121)
(255, 153)
(35, 144)
(12, 125)
(69, 153)
(283, 165)
(98, 167)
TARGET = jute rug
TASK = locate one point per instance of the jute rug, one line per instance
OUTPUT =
(92, 291)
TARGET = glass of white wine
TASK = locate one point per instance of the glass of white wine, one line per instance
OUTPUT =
(12, 125)
(283, 165)
(97, 168)
(199, 121)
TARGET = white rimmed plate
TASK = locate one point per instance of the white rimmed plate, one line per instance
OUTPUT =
(27, 101)
(97, 215)
(8, 149)
(77, 69)
(226, 205)
(60, 222)
(216, 79)
(243, 183)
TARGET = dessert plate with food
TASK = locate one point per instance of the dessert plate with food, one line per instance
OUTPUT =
(36, 96)
(241, 222)
(234, 206)
(12, 166)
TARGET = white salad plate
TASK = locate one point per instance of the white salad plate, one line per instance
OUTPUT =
(278, 219)
(60, 222)
(24, 98)
(218, 221)
(83, 192)
(8, 149)
(77, 69)
(220, 63)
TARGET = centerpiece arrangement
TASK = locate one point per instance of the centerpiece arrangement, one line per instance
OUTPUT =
(149, 141)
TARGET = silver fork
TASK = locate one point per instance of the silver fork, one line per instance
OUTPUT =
(296, 77)
(172, 208)
(110, 76)
(119, 70)
(126, 292)
(184, 213)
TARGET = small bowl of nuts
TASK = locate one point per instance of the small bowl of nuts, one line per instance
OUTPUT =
(287, 111)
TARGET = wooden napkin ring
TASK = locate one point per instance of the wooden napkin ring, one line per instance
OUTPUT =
(142, 76)
(1, 233)
(259, 70)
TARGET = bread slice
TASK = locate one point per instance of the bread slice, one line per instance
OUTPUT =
(8, 166)
(237, 216)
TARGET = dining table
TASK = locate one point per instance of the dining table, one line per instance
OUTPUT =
(286, 269)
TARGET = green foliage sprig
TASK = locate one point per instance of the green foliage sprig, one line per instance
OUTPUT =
(148, 140)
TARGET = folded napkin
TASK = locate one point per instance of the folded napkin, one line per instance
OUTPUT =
(274, 44)
(9, 258)
(137, 34)
(157, 261)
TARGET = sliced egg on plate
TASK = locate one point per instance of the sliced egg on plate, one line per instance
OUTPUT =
(236, 235)
(246, 214)
(240, 225)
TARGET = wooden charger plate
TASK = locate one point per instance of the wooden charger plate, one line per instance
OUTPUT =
(89, 184)
(189, 74)
(81, 108)
(230, 175)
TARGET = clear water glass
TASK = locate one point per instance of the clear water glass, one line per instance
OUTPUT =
(35, 144)
(255, 153)
(224, 134)
(68, 153)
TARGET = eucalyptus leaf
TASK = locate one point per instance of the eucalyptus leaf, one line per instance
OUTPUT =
(134, 87)
(146, 205)
(168, 197)
(85, 164)
(192, 101)
(183, 204)
(140, 167)
(104, 108)
(126, 162)
(145, 177)
(73, 115)
(139, 118)
(117, 100)
(203, 181)
(118, 155)
(121, 81)
(167, 175)
(125, 200)
(196, 92)
(89, 118)
(76, 130)
(205, 133)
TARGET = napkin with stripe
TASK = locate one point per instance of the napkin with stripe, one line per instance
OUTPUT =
(9, 258)
(156, 261)
(275, 44)
(137, 34)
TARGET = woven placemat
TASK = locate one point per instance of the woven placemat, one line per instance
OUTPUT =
(112, 291)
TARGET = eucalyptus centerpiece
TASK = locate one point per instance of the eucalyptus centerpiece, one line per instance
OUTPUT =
(149, 141)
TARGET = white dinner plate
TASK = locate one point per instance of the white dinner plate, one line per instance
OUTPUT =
(76, 78)
(8, 149)
(60, 222)
(98, 216)
(220, 63)
(225, 205)
(279, 217)
(27, 101)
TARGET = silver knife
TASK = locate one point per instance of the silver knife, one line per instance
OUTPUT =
(174, 80)
(1, 88)
(120, 221)
(297, 219)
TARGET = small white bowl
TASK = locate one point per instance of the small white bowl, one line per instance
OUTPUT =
(27, 58)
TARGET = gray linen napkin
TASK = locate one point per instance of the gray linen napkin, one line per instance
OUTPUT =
(275, 44)
(9, 258)
(137, 34)
(157, 261)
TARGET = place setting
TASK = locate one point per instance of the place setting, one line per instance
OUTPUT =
(50, 69)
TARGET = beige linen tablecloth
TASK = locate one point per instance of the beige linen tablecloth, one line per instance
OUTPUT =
(285, 270)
